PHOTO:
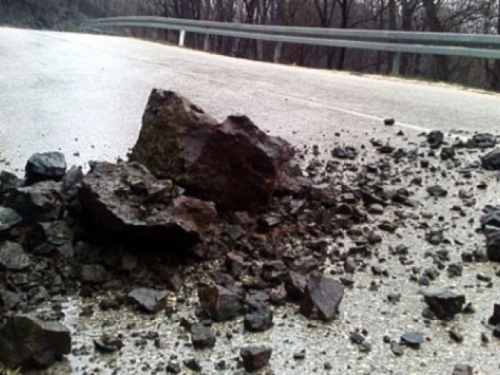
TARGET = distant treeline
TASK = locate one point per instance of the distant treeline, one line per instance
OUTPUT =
(466, 16)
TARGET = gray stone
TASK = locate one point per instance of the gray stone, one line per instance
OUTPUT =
(322, 297)
(463, 370)
(42, 201)
(491, 161)
(149, 300)
(8, 218)
(45, 166)
(445, 304)
(255, 357)
(27, 342)
(259, 320)
(220, 303)
(202, 336)
(13, 257)
(412, 339)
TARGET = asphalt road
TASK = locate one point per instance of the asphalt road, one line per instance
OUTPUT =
(85, 94)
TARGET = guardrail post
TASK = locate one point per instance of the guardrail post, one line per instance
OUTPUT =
(277, 52)
(206, 42)
(182, 38)
(396, 63)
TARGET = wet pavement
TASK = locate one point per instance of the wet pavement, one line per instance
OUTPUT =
(86, 94)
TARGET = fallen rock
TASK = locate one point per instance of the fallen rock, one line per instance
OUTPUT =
(30, 342)
(494, 320)
(202, 336)
(412, 339)
(295, 285)
(255, 357)
(259, 320)
(322, 297)
(445, 304)
(149, 300)
(126, 200)
(9, 181)
(493, 243)
(437, 191)
(42, 201)
(108, 344)
(220, 303)
(45, 166)
(435, 139)
(13, 257)
(463, 370)
(233, 164)
(8, 218)
(491, 161)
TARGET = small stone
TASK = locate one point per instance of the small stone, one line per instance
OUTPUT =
(437, 191)
(491, 161)
(377, 209)
(300, 355)
(259, 321)
(463, 370)
(202, 336)
(389, 121)
(412, 339)
(255, 357)
(173, 367)
(220, 303)
(192, 364)
(397, 349)
(149, 300)
(322, 297)
(494, 320)
(108, 344)
(456, 336)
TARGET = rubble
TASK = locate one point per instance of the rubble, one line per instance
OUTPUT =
(45, 166)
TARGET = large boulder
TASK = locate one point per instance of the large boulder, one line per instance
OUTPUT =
(125, 199)
(27, 341)
(233, 164)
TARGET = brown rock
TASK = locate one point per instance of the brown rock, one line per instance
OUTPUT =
(233, 164)
(125, 199)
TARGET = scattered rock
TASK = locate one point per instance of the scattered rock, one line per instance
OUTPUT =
(435, 139)
(149, 300)
(491, 161)
(322, 297)
(445, 304)
(463, 370)
(437, 191)
(494, 320)
(259, 320)
(255, 357)
(220, 303)
(412, 339)
(202, 336)
(29, 342)
(108, 344)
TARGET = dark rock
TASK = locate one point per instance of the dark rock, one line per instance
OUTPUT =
(295, 285)
(149, 300)
(445, 304)
(9, 181)
(128, 201)
(108, 344)
(42, 201)
(435, 139)
(412, 339)
(94, 273)
(491, 161)
(233, 164)
(220, 303)
(13, 257)
(202, 336)
(173, 367)
(299, 355)
(493, 243)
(274, 272)
(456, 336)
(45, 166)
(397, 349)
(192, 364)
(255, 357)
(494, 320)
(389, 121)
(8, 218)
(9, 300)
(437, 191)
(482, 140)
(447, 153)
(348, 152)
(455, 270)
(27, 342)
(463, 370)
(71, 182)
(259, 320)
(322, 297)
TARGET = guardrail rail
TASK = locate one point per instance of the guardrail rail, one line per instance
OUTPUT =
(445, 44)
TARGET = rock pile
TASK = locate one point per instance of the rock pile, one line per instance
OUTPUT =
(222, 209)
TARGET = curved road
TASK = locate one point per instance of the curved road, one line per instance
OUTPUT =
(85, 94)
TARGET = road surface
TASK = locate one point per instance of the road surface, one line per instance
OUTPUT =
(85, 94)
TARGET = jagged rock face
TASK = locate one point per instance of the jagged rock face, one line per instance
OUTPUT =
(127, 200)
(233, 164)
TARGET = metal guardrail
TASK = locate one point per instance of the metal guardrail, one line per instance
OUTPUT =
(447, 44)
